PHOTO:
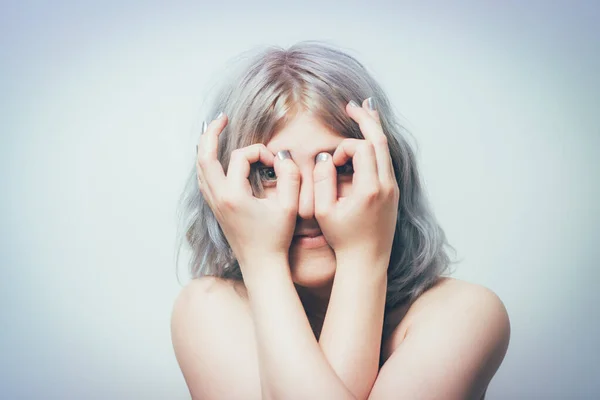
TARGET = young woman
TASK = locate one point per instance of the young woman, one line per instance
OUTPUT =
(317, 262)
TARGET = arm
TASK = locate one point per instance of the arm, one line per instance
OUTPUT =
(456, 341)
(259, 232)
(211, 331)
(351, 334)
(231, 347)
(291, 363)
(459, 340)
(360, 228)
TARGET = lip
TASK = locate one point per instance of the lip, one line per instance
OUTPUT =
(309, 233)
(310, 242)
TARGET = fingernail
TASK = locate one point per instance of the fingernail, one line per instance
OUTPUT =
(353, 103)
(371, 103)
(204, 127)
(283, 154)
(220, 115)
(322, 157)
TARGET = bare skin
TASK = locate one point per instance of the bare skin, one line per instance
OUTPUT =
(206, 356)
(267, 337)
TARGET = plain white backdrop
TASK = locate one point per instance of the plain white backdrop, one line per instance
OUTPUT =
(100, 108)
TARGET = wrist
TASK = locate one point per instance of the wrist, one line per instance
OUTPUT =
(360, 270)
(368, 260)
(265, 267)
(259, 261)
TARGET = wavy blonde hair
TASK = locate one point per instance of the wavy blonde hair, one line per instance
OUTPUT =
(265, 90)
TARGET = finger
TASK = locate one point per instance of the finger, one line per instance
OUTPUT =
(241, 161)
(210, 170)
(371, 106)
(364, 163)
(372, 131)
(325, 181)
(198, 171)
(204, 126)
(343, 152)
(288, 181)
(220, 121)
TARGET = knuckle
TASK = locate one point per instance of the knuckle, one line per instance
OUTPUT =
(321, 174)
(356, 142)
(289, 169)
(228, 201)
(294, 177)
(366, 146)
(203, 161)
(348, 142)
(255, 147)
(392, 191)
(289, 211)
(381, 140)
(260, 146)
(371, 194)
(237, 153)
(320, 177)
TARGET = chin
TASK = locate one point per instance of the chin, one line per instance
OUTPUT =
(312, 268)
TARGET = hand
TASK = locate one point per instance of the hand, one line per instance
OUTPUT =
(365, 221)
(254, 227)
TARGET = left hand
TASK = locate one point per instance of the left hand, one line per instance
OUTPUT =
(365, 221)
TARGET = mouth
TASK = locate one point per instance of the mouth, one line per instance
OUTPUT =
(310, 241)
(310, 235)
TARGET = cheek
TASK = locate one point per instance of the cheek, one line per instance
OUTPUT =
(344, 187)
(270, 192)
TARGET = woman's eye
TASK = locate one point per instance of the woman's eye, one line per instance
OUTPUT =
(345, 169)
(267, 174)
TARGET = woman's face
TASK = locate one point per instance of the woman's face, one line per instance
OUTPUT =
(304, 137)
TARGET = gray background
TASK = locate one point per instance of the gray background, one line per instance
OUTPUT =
(100, 112)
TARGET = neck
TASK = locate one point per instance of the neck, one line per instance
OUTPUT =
(315, 301)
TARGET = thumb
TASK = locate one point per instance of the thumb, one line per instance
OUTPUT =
(288, 180)
(325, 181)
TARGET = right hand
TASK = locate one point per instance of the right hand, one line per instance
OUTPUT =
(254, 227)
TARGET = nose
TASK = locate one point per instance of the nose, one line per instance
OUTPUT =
(306, 201)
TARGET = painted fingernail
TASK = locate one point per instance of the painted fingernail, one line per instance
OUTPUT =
(371, 103)
(204, 127)
(283, 154)
(322, 157)
(220, 115)
(353, 103)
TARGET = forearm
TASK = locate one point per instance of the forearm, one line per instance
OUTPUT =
(351, 333)
(291, 362)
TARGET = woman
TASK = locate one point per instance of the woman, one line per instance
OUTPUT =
(317, 261)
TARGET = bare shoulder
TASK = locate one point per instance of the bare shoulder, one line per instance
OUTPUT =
(210, 288)
(434, 300)
(211, 330)
(451, 295)
(453, 320)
